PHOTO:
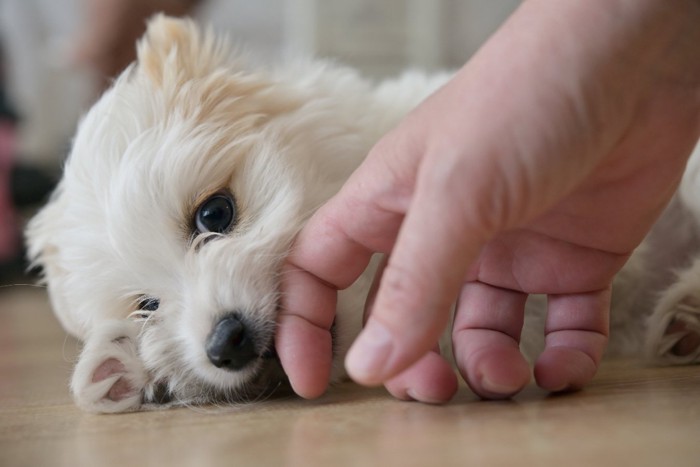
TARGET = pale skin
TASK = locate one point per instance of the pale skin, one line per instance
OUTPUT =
(537, 169)
(110, 28)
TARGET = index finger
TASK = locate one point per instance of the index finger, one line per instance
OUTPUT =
(329, 254)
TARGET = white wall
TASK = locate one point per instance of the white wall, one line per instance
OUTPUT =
(381, 37)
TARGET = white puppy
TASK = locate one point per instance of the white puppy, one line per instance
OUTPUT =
(186, 185)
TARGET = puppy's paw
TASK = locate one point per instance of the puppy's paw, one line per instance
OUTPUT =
(674, 328)
(109, 376)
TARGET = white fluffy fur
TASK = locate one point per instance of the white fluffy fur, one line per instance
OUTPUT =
(114, 340)
(184, 122)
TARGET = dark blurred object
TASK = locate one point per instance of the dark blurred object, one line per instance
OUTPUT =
(21, 187)
(6, 112)
(29, 186)
(106, 41)
(14, 270)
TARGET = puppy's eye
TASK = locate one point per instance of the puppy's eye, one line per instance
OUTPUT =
(217, 214)
(149, 304)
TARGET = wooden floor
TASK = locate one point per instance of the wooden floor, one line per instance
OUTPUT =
(630, 415)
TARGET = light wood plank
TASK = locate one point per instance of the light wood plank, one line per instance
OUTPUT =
(630, 415)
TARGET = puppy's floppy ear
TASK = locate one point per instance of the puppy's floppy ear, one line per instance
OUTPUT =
(176, 49)
(43, 252)
(176, 53)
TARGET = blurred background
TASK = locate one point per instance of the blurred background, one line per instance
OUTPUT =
(56, 56)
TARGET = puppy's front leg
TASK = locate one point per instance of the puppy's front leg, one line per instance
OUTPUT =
(673, 334)
(109, 375)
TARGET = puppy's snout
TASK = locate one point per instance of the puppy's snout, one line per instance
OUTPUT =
(230, 344)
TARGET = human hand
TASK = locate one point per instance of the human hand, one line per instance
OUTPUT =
(537, 169)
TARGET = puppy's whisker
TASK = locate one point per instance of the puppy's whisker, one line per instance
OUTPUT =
(20, 285)
(138, 316)
(64, 353)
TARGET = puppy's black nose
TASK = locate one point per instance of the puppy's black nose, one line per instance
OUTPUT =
(230, 344)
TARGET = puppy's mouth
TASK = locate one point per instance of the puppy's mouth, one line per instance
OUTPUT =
(269, 381)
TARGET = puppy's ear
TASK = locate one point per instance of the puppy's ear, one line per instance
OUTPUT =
(109, 376)
(44, 254)
(175, 52)
(176, 49)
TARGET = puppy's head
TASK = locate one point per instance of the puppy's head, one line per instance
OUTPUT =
(186, 184)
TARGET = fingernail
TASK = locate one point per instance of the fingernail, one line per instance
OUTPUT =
(369, 354)
(417, 396)
(499, 388)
